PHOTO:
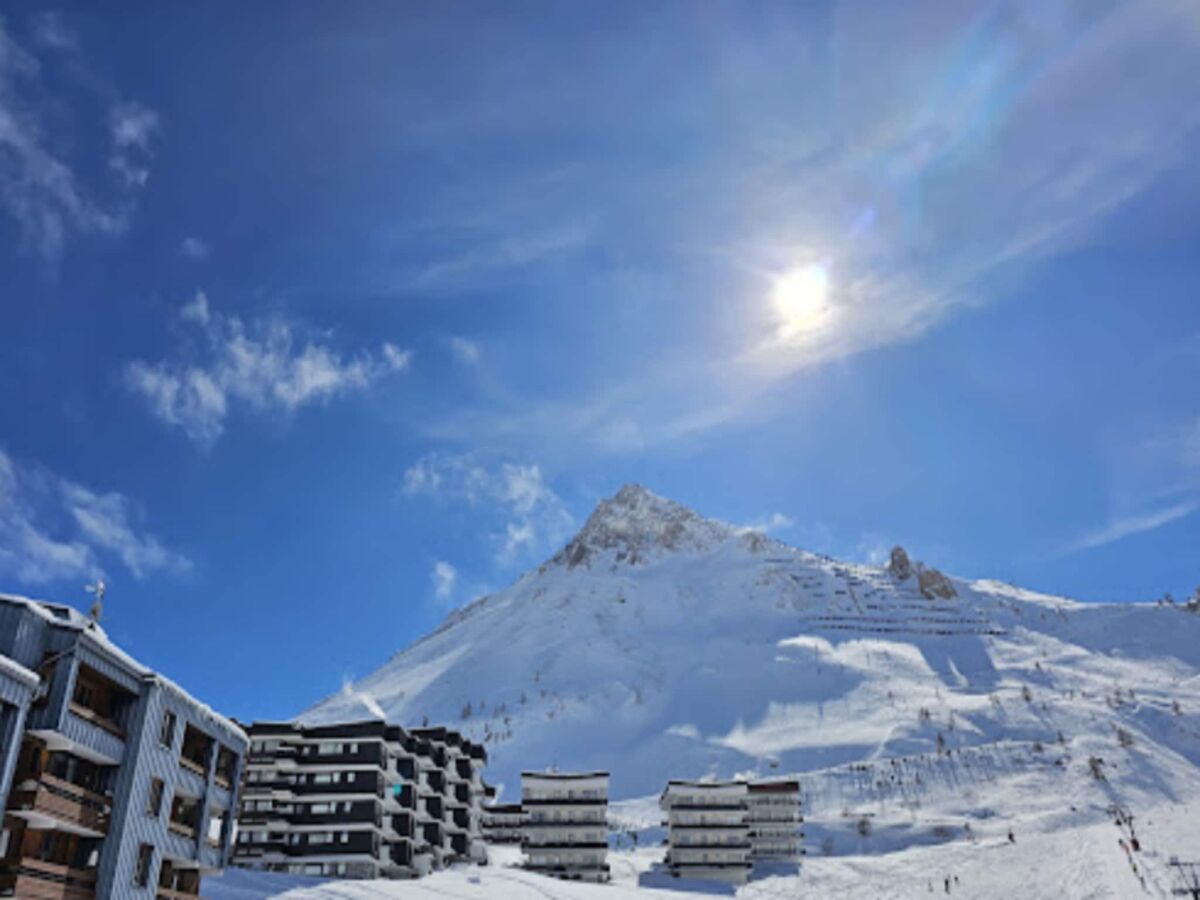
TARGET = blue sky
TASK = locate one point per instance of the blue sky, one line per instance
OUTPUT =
(320, 320)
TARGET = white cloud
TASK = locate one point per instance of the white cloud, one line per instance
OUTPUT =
(194, 248)
(54, 529)
(104, 521)
(445, 580)
(133, 126)
(39, 189)
(771, 524)
(527, 515)
(262, 365)
(465, 351)
(1136, 523)
(196, 309)
(51, 30)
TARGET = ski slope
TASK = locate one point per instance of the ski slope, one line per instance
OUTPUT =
(661, 644)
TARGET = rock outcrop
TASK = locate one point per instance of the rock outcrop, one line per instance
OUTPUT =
(899, 565)
(934, 585)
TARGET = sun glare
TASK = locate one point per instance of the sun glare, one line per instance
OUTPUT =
(802, 299)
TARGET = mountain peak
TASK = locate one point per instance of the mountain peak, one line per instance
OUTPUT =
(635, 522)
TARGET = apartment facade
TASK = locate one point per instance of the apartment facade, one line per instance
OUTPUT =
(566, 824)
(121, 786)
(17, 685)
(360, 800)
(774, 820)
(503, 823)
(708, 831)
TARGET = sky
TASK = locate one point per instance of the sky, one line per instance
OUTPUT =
(320, 320)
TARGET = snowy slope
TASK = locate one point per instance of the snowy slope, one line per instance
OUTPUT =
(661, 644)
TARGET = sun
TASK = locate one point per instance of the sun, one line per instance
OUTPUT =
(801, 298)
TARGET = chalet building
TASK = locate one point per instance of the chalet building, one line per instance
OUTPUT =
(566, 824)
(503, 823)
(115, 783)
(360, 800)
(708, 833)
(774, 820)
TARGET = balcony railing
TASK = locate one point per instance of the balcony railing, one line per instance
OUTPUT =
(181, 828)
(65, 802)
(98, 719)
(36, 880)
(193, 765)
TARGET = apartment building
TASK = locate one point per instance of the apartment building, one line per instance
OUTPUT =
(774, 820)
(360, 800)
(17, 685)
(503, 823)
(708, 832)
(566, 824)
(116, 783)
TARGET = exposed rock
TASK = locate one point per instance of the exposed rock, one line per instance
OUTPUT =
(899, 565)
(933, 584)
(635, 524)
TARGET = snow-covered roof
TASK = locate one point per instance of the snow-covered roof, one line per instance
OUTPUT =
(62, 616)
(18, 672)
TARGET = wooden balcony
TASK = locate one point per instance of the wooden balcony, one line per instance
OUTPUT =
(64, 802)
(163, 893)
(32, 879)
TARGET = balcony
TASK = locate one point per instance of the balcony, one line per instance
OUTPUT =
(196, 751)
(176, 882)
(100, 701)
(185, 812)
(68, 804)
(35, 879)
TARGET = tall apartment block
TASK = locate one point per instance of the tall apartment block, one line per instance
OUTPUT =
(115, 783)
(708, 832)
(360, 800)
(774, 820)
(566, 824)
(503, 823)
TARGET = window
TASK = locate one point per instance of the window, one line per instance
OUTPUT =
(141, 875)
(154, 805)
(166, 733)
(216, 827)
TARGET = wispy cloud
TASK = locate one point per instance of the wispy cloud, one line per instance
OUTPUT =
(499, 253)
(133, 127)
(194, 248)
(40, 189)
(771, 524)
(261, 365)
(445, 579)
(465, 351)
(1000, 138)
(54, 529)
(526, 515)
(1137, 523)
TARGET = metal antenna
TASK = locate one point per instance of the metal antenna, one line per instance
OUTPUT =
(98, 604)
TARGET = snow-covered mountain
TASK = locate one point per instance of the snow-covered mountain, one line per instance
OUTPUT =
(661, 644)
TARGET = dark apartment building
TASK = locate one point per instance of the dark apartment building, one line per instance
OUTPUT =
(360, 800)
(114, 782)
